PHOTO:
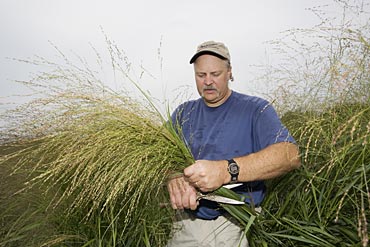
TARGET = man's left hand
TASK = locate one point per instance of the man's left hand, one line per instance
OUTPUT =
(207, 175)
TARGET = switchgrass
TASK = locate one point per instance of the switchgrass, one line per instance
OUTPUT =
(105, 154)
(327, 201)
(92, 162)
(24, 218)
(324, 97)
(107, 157)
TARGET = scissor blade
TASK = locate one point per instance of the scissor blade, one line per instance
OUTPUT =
(222, 199)
(230, 186)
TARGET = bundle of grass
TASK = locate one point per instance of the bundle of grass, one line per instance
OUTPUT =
(105, 154)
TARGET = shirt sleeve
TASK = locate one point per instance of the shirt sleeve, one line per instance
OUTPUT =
(268, 128)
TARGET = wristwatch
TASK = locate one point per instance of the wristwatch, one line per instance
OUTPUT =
(233, 169)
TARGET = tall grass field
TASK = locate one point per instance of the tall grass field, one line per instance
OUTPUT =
(84, 165)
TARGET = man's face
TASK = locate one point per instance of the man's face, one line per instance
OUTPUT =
(212, 76)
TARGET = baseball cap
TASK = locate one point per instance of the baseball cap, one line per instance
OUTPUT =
(217, 49)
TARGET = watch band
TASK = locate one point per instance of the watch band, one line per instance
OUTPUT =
(233, 170)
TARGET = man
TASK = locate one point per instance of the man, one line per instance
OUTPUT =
(233, 138)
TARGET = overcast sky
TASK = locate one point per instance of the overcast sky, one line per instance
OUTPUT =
(141, 27)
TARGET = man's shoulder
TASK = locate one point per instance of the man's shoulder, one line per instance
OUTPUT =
(250, 99)
(187, 106)
(190, 103)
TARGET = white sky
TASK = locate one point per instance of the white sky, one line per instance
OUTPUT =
(138, 27)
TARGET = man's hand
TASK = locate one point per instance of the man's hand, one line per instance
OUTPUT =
(207, 175)
(182, 194)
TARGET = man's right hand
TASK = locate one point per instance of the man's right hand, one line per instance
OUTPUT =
(182, 194)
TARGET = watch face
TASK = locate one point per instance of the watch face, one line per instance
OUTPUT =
(233, 168)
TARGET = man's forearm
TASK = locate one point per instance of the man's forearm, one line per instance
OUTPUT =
(273, 161)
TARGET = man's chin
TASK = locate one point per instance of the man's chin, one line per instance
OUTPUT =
(209, 94)
(210, 100)
(209, 97)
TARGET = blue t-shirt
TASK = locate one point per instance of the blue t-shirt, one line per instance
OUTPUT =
(242, 125)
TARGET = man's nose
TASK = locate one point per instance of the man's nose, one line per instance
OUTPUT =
(208, 80)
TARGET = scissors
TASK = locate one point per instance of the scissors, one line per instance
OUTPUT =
(220, 199)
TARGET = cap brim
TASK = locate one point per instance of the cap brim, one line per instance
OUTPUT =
(192, 60)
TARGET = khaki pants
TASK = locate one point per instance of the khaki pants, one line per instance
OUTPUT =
(194, 232)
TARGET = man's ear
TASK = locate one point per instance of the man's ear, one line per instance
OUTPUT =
(231, 78)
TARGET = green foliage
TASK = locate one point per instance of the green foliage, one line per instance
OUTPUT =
(109, 160)
(323, 93)
(102, 158)
(328, 198)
